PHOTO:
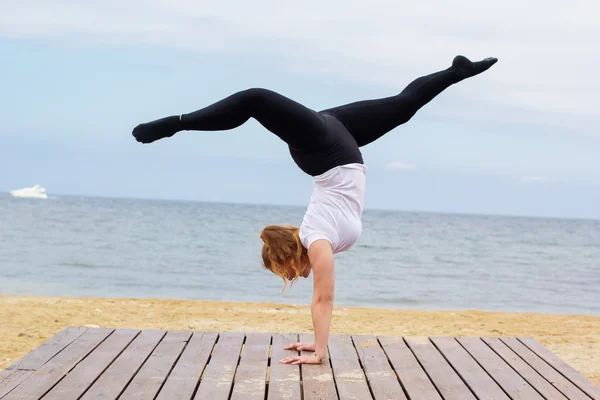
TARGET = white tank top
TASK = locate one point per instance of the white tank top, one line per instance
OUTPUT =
(336, 207)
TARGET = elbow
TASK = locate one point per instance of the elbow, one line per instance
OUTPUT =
(323, 298)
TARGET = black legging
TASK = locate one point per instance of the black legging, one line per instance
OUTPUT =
(306, 130)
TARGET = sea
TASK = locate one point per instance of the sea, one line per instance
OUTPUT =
(128, 248)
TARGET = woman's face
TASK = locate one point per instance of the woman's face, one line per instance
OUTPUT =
(290, 272)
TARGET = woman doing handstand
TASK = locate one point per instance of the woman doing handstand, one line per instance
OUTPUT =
(325, 145)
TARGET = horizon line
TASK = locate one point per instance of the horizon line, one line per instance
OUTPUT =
(366, 209)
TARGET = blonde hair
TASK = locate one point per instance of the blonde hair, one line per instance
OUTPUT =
(282, 250)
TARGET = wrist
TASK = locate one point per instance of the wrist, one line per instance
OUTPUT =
(322, 350)
(321, 355)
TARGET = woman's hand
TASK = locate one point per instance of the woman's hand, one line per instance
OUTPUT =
(296, 360)
(300, 346)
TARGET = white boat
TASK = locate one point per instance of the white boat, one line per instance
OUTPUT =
(36, 192)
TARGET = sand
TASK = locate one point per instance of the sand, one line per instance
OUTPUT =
(26, 322)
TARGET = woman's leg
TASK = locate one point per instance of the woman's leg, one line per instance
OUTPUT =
(368, 120)
(294, 123)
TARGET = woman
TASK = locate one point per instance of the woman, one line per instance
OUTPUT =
(325, 145)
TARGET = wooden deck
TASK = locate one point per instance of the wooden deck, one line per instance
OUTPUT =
(102, 363)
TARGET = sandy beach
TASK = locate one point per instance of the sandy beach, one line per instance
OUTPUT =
(26, 322)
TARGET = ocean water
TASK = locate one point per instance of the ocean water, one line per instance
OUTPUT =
(72, 246)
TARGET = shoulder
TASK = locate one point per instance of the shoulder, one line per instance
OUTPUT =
(321, 258)
(320, 248)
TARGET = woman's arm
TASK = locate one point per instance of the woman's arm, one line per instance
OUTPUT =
(320, 255)
(321, 259)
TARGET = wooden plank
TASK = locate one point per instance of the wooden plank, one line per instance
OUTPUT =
(412, 377)
(566, 370)
(88, 370)
(284, 379)
(548, 391)
(381, 377)
(556, 379)
(317, 379)
(349, 376)
(150, 378)
(217, 380)
(5, 383)
(10, 379)
(4, 374)
(51, 347)
(251, 376)
(113, 381)
(445, 379)
(509, 380)
(42, 380)
(472, 374)
(184, 378)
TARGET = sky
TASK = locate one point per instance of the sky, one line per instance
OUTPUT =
(519, 139)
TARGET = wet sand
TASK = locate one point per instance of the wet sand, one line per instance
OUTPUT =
(28, 321)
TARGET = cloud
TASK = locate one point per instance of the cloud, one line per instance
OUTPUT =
(543, 46)
(534, 179)
(399, 166)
